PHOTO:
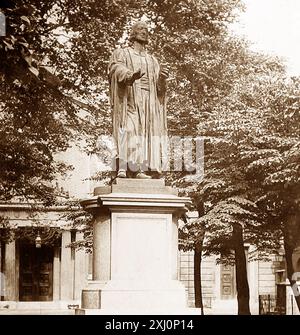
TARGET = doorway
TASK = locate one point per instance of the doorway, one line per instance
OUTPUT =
(36, 273)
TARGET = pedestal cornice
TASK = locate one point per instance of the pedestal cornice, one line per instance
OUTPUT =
(133, 193)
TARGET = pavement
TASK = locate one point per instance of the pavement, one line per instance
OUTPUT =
(35, 312)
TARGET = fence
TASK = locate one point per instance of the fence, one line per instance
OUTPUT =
(271, 305)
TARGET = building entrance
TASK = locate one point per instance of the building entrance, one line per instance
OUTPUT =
(36, 273)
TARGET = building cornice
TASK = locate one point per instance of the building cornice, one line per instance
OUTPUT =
(8, 206)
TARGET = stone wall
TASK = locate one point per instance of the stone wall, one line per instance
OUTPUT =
(186, 276)
(261, 278)
(266, 278)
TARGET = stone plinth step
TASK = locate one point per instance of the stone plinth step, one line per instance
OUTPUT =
(131, 185)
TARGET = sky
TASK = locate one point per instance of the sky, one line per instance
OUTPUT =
(273, 26)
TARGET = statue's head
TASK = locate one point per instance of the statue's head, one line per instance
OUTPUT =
(139, 32)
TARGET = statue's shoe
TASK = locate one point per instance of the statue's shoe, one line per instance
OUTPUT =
(121, 174)
(142, 175)
(156, 175)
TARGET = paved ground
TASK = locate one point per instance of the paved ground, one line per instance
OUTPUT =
(4, 311)
(36, 312)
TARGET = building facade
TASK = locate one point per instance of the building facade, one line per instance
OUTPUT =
(53, 275)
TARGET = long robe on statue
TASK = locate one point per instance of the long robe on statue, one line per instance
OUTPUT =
(138, 109)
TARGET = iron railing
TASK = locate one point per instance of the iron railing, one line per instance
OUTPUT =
(271, 305)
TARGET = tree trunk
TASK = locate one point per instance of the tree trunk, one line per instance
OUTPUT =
(241, 272)
(197, 276)
(289, 267)
(197, 263)
(1, 274)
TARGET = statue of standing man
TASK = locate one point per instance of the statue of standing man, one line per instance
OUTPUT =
(137, 96)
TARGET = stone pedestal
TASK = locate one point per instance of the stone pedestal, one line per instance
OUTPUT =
(135, 248)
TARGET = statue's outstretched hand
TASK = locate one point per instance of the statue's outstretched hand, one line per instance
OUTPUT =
(136, 75)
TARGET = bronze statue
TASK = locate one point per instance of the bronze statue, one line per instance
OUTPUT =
(137, 95)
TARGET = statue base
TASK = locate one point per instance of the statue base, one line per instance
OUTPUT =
(135, 249)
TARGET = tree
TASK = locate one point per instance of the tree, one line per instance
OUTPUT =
(229, 129)
(277, 173)
(187, 243)
(37, 120)
(266, 163)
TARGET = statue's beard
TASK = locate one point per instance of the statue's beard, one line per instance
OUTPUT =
(139, 40)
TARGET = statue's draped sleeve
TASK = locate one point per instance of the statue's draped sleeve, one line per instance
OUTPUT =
(161, 88)
(119, 78)
(118, 69)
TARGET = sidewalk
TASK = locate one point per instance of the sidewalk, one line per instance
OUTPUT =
(36, 312)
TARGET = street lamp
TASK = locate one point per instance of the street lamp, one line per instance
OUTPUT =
(38, 241)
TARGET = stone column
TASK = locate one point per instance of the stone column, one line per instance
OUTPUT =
(66, 267)
(174, 249)
(1, 275)
(91, 297)
(90, 265)
(101, 247)
(17, 269)
(80, 269)
(56, 274)
(10, 272)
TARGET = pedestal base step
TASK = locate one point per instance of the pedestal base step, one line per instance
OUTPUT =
(153, 311)
(168, 295)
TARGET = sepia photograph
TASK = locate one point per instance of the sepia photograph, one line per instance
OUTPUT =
(150, 160)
